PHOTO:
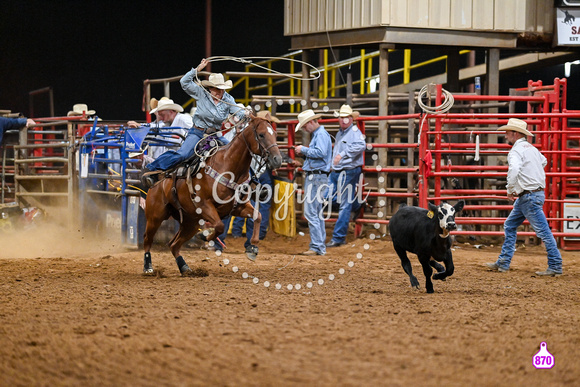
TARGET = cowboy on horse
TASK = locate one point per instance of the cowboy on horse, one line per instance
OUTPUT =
(213, 108)
(203, 199)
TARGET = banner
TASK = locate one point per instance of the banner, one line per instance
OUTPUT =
(568, 26)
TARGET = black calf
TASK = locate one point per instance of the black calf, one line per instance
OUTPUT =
(425, 233)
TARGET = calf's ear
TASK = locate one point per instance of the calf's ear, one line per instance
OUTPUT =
(432, 207)
(459, 206)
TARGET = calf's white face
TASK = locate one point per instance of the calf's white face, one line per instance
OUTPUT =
(446, 214)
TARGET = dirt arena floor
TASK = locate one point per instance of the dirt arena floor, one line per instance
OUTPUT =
(81, 313)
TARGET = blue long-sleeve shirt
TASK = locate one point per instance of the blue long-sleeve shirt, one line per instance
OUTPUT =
(350, 145)
(10, 123)
(319, 153)
(209, 115)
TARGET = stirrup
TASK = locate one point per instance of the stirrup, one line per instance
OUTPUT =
(150, 178)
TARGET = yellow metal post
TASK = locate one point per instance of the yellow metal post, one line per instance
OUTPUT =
(362, 71)
(369, 74)
(292, 81)
(407, 66)
(333, 82)
(325, 85)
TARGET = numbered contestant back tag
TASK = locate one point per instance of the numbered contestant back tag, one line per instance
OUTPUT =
(543, 359)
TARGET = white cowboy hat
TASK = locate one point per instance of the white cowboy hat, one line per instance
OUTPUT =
(346, 111)
(166, 104)
(78, 110)
(217, 80)
(306, 116)
(517, 125)
(267, 116)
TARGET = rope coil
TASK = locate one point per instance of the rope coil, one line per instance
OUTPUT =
(432, 110)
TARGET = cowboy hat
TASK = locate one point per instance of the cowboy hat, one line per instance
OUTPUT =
(78, 110)
(166, 104)
(267, 116)
(346, 111)
(217, 80)
(305, 117)
(517, 125)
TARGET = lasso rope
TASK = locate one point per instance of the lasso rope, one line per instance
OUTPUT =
(248, 60)
(433, 110)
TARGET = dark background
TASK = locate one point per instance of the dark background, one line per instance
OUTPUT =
(100, 52)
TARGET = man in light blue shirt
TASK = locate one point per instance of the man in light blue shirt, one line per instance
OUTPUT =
(316, 168)
(347, 161)
(214, 105)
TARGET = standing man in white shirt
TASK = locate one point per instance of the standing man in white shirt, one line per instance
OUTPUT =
(526, 180)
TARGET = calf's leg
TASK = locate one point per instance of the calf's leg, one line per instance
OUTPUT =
(428, 271)
(407, 265)
(449, 268)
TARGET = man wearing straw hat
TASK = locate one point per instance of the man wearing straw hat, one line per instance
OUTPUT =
(526, 180)
(317, 161)
(214, 105)
(347, 161)
(169, 114)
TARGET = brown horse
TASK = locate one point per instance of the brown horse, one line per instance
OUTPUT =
(211, 194)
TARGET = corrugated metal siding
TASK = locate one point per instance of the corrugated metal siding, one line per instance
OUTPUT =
(482, 16)
(461, 14)
(311, 16)
(439, 16)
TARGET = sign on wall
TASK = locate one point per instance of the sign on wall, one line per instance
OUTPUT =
(568, 26)
(572, 212)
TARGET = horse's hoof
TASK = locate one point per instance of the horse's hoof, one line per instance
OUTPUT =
(148, 271)
(185, 271)
(440, 276)
(252, 252)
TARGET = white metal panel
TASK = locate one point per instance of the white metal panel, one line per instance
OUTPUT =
(399, 12)
(510, 15)
(439, 14)
(322, 15)
(418, 13)
(385, 11)
(461, 11)
(482, 14)
(312, 16)
(367, 16)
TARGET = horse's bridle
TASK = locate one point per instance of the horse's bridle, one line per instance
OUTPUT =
(264, 151)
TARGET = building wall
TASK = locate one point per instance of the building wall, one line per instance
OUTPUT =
(312, 16)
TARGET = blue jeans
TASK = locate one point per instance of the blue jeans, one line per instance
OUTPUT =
(343, 189)
(314, 190)
(238, 225)
(172, 158)
(529, 207)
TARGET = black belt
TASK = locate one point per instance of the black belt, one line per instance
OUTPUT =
(317, 173)
(525, 192)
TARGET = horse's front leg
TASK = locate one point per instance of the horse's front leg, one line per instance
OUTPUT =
(213, 223)
(246, 210)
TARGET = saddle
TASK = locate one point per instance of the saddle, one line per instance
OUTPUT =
(204, 149)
